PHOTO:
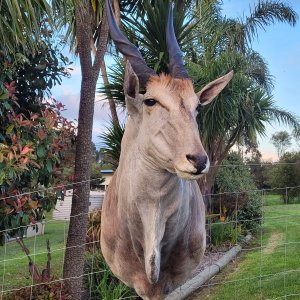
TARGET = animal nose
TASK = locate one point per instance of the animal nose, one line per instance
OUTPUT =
(199, 162)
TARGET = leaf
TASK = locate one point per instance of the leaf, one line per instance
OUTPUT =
(15, 221)
(26, 150)
(4, 95)
(6, 105)
(49, 166)
(10, 128)
(33, 204)
(40, 151)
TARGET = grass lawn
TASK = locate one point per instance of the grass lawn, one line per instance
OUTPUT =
(268, 272)
(14, 263)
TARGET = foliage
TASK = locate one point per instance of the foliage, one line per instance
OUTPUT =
(112, 139)
(224, 233)
(20, 25)
(287, 174)
(281, 141)
(34, 137)
(240, 200)
(94, 230)
(96, 178)
(114, 89)
(102, 283)
(259, 170)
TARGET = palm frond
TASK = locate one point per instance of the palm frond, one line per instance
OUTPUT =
(111, 140)
(284, 117)
(114, 90)
(266, 13)
(20, 24)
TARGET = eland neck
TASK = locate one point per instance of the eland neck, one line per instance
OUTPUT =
(153, 201)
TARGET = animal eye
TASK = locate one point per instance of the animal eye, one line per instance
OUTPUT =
(150, 102)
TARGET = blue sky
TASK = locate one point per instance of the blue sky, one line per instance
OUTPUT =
(279, 45)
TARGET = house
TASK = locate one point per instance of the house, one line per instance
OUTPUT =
(106, 175)
(62, 209)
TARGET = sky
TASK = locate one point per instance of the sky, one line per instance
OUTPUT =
(279, 45)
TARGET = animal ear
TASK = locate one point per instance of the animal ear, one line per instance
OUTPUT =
(131, 90)
(131, 82)
(211, 90)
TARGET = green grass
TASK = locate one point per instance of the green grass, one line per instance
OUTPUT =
(271, 200)
(270, 273)
(14, 263)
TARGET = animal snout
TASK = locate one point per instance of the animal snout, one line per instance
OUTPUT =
(200, 162)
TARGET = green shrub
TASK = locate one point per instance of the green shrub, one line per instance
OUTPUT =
(238, 194)
(224, 232)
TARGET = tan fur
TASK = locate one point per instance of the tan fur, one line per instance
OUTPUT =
(153, 217)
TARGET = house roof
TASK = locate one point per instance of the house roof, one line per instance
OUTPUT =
(107, 171)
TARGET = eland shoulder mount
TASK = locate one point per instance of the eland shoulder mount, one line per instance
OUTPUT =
(153, 216)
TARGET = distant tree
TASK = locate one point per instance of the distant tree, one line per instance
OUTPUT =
(281, 140)
(258, 169)
(96, 178)
(286, 175)
(95, 153)
(296, 135)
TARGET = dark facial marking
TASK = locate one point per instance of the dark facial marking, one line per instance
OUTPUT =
(131, 87)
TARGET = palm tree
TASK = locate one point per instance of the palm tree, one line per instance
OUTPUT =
(20, 24)
(244, 108)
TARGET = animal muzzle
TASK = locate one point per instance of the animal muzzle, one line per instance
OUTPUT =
(192, 166)
(200, 163)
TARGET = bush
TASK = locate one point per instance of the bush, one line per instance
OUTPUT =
(240, 200)
(94, 230)
(224, 232)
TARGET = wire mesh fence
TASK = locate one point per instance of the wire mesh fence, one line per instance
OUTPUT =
(277, 239)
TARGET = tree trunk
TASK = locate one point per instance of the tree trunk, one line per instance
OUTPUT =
(75, 248)
(117, 12)
(206, 186)
(180, 5)
(112, 104)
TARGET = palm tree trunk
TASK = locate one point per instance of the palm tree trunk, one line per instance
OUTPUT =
(117, 12)
(112, 104)
(75, 248)
(180, 5)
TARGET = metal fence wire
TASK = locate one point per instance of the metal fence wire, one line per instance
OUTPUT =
(14, 274)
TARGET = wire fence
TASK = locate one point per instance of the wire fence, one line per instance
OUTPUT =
(275, 238)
